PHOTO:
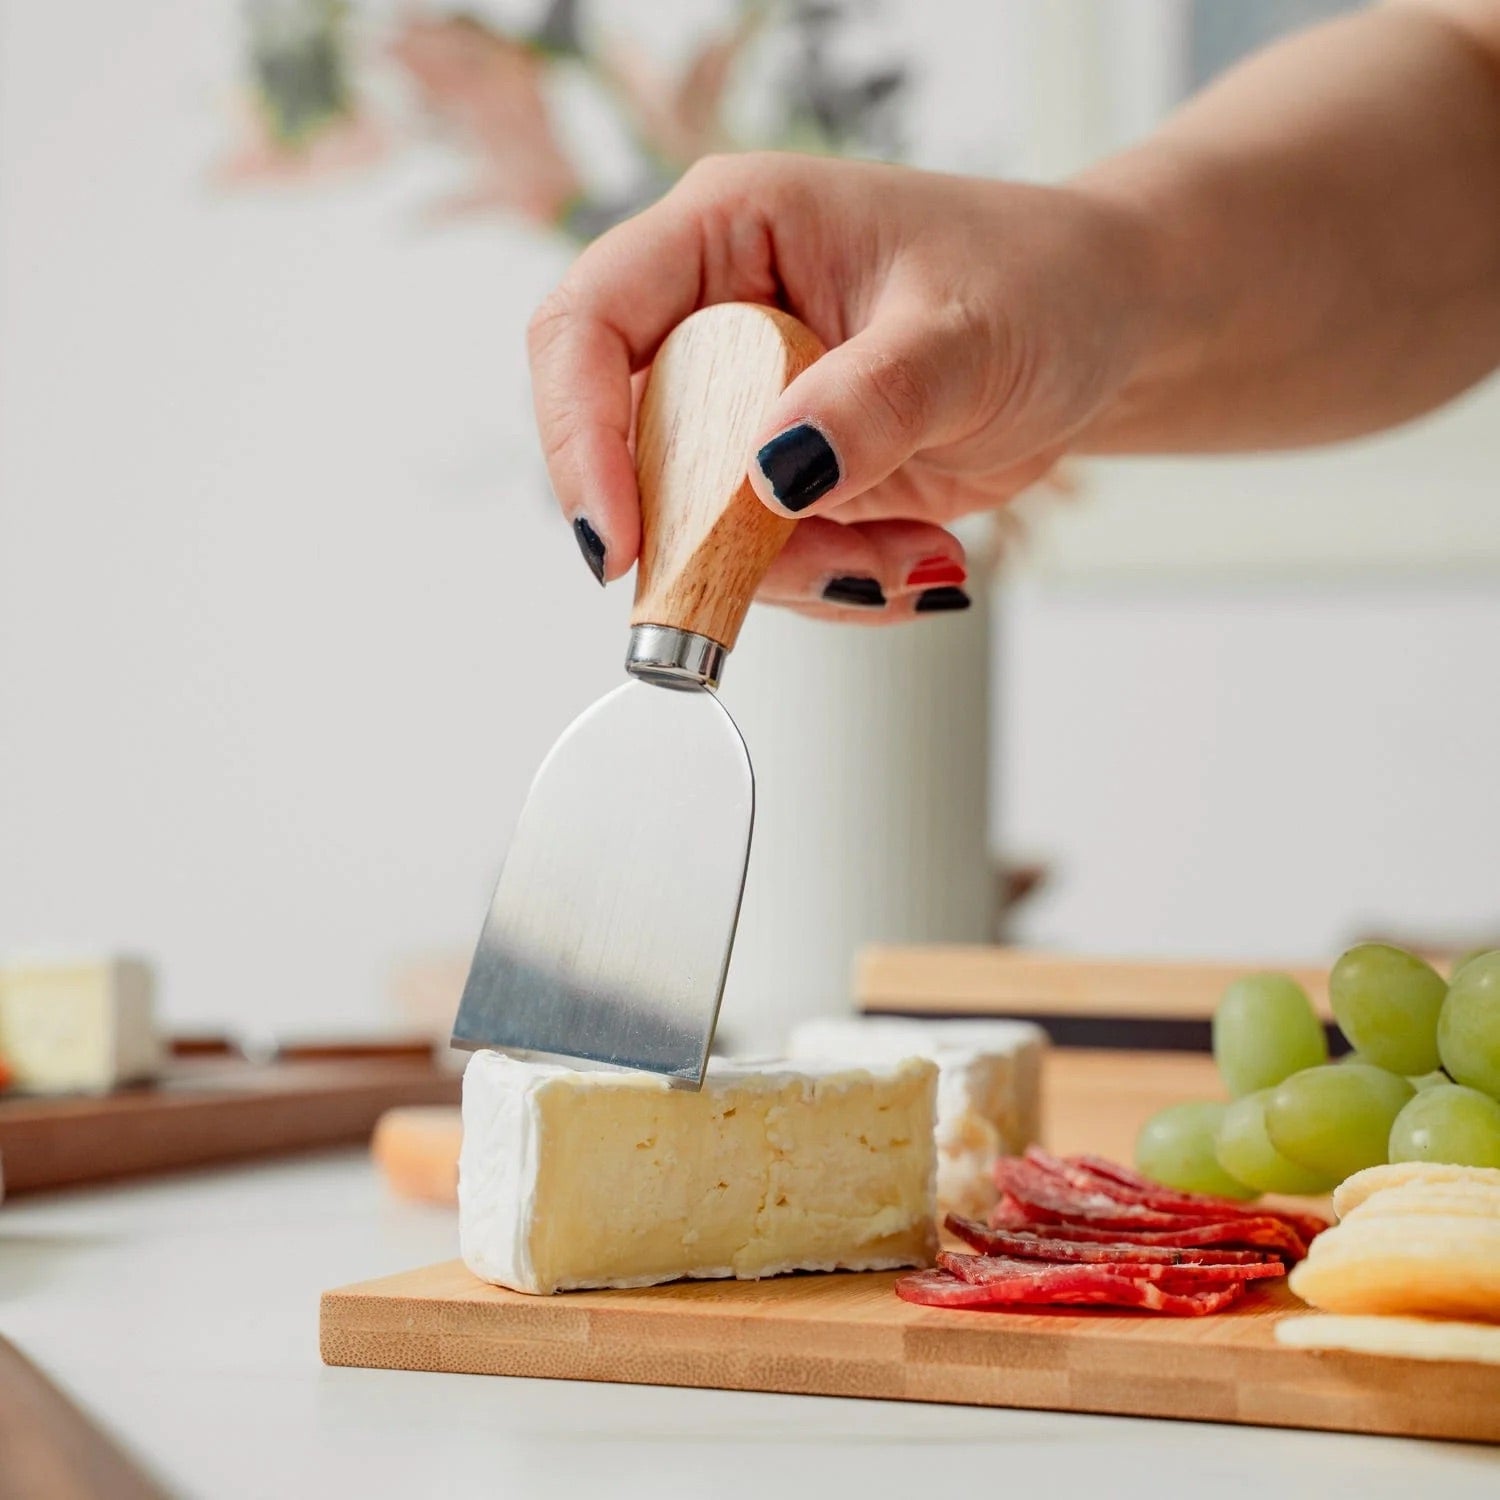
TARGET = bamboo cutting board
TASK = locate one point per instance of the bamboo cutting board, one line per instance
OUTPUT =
(850, 1335)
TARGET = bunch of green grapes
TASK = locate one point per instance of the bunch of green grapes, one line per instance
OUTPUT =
(1422, 1082)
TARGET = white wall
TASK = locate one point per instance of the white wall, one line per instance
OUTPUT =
(1254, 773)
(276, 557)
(286, 619)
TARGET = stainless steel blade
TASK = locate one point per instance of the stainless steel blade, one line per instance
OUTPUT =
(609, 934)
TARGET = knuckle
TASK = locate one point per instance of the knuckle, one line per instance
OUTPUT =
(894, 394)
(710, 174)
(559, 438)
(727, 174)
(551, 314)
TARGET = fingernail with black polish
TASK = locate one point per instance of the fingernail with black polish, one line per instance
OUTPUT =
(591, 547)
(938, 601)
(801, 466)
(865, 592)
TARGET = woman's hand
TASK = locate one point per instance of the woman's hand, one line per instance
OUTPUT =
(974, 328)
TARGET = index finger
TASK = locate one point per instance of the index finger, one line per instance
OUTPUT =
(604, 321)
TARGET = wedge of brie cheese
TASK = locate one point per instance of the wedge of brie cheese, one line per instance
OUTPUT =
(77, 1025)
(989, 1088)
(572, 1179)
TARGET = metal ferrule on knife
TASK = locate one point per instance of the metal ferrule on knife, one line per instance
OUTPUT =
(674, 658)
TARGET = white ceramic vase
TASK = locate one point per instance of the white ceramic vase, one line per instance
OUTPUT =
(871, 755)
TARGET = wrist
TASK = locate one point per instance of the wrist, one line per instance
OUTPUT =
(1151, 264)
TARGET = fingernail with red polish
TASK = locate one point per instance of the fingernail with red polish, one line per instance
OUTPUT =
(933, 571)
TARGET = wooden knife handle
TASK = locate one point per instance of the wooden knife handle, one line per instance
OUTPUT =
(706, 540)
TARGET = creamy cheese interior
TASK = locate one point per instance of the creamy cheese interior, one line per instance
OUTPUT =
(586, 1179)
(989, 1088)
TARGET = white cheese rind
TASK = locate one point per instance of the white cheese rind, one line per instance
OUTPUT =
(989, 1088)
(77, 1025)
(576, 1179)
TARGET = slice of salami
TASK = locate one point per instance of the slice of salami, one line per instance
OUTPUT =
(1008, 1214)
(1039, 1244)
(1048, 1200)
(1044, 1196)
(938, 1289)
(1095, 1174)
(1172, 1278)
(1267, 1234)
(942, 1289)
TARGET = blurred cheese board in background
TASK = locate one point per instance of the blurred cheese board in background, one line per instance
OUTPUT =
(90, 1088)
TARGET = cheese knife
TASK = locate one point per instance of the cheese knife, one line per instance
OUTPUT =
(608, 938)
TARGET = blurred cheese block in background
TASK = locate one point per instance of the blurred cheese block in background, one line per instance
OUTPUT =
(1400, 1338)
(416, 1151)
(573, 1179)
(989, 1088)
(77, 1025)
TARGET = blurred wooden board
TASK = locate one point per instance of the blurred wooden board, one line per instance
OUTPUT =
(50, 1451)
(1098, 1100)
(209, 1110)
(850, 1335)
(1080, 1001)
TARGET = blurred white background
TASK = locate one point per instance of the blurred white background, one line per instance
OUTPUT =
(286, 619)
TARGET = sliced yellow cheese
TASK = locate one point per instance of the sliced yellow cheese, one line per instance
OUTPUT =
(573, 1179)
(1356, 1189)
(1400, 1338)
(1423, 1198)
(1436, 1265)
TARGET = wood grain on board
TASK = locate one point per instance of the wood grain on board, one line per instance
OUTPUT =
(993, 981)
(205, 1111)
(850, 1335)
(50, 1451)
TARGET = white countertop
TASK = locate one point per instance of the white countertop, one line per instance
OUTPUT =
(183, 1313)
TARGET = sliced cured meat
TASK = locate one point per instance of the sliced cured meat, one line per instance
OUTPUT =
(1039, 1243)
(1268, 1234)
(1008, 1214)
(1048, 1200)
(938, 1289)
(943, 1289)
(1044, 1196)
(1094, 1174)
(1172, 1278)
(1178, 1278)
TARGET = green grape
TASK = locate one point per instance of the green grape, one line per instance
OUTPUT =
(1469, 1026)
(1430, 1080)
(1264, 1031)
(1176, 1146)
(1245, 1151)
(1448, 1123)
(1336, 1120)
(1464, 958)
(1386, 1002)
